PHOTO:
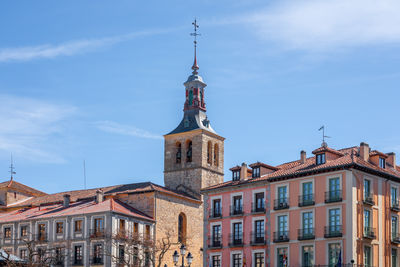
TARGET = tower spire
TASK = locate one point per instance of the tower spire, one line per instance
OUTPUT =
(195, 67)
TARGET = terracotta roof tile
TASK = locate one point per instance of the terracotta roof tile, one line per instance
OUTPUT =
(21, 187)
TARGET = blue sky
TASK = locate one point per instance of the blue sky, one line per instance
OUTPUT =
(103, 81)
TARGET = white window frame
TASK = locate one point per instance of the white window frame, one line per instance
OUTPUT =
(231, 256)
(301, 251)
(253, 252)
(214, 254)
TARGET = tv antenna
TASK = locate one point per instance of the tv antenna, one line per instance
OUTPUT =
(322, 128)
(12, 169)
(84, 174)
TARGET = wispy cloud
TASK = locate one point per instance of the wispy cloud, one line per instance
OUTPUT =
(324, 25)
(28, 126)
(113, 127)
(71, 47)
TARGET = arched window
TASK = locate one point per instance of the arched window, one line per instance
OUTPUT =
(190, 97)
(178, 152)
(209, 154)
(189, 151)
(182, 228)
(216, 154)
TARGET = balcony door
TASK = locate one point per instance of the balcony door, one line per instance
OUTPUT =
(334, 220)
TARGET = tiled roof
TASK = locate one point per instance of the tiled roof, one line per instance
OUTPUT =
(375, 152)
(21, 187)
(77, 195)
(77, 208)
(349, 159)
(327, 149)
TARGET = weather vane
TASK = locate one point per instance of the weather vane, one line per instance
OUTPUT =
(12, 169)
(195, 34)
(324, 144)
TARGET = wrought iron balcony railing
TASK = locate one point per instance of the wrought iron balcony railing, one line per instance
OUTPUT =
(369, 232)
(333, 196)
(281, 203)
(306, 234)
(333, 231)
(236, 210)
(396, 238)
(257, 238)
(215, 242)
(215, 213)
(306, 200)
(369, 199)
(281, 236)
(235, 240)
(258, 208)
(394, 205)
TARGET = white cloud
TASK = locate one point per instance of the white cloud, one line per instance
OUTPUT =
(113, 127)
(69, 48)
(28, 126)
(328, 24)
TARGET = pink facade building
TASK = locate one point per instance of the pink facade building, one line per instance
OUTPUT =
(336, 207)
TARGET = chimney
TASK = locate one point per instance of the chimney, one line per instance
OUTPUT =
(364, 151)
(99, 196)
(243, 171)
(67, 199)
(391, 159)
(303, 157)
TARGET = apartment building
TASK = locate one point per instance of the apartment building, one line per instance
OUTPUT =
(338, 206)
(83, 233)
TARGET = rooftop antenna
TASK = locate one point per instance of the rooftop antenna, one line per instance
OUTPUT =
(195, 34)
(84, 174)
(324, 144)
(12, 169)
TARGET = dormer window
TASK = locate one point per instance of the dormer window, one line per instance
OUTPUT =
(236, 175)
(256, 172)
(382, 163)
(320, 159)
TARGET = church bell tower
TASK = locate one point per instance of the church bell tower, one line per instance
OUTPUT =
(193, 152)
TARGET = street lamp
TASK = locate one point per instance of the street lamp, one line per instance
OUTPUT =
(189, 257)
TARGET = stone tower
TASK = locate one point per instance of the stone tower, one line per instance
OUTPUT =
(194, 152)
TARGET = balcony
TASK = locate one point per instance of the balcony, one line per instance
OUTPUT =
(281, 203)
(369, 232)
(41, 237)
(306, 200)
(97, 261)
(257, 238)
(395, 238)
(306, 234)
(235, 241)
(215, 213)
(394, 205)
(333, 196)
(236, 210)
(281, 236)
(333, 231)
(258, 208)
(215, 242)
(368, 199)
(97, 233)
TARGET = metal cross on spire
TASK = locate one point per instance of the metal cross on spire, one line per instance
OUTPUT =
(12, 169)
(195, 34)
(324, 144)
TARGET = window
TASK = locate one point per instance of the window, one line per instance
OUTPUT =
(237, 233)
(236, 175)
(237, 205)
(334, 221)
(59, 228)
(135, 256)
(259, 231)
(15, 194)
(216, 235)
(367, 222)
(121, 229)
(98, 225)
(135, 228)
(41, 231)
(23, 254)
(394, 257)
(121, 254)
(216, 261)
(256, 172)
(320, 159)
(334, 194)
(7, 232)
(78, 226)
(237, 260)
(307, 197)
(333, 254)
(189, 151)
(216, 212)
(394, 227)
(98, 253)
(209, 148)
(259, 259)
(367, 188)
(190, 97)
(147, 258)
(282, 196)
(382, 163)
(307, 256)
(260, 204)
(182, 228)
(147, 232)
(308, 223)
(78, 255)
(24, 230)
(216, 155)
(282, 257)
(178, 156)
(367, 256)
(393, 197)
(282, 225)
(59, 257)
(40, 253)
